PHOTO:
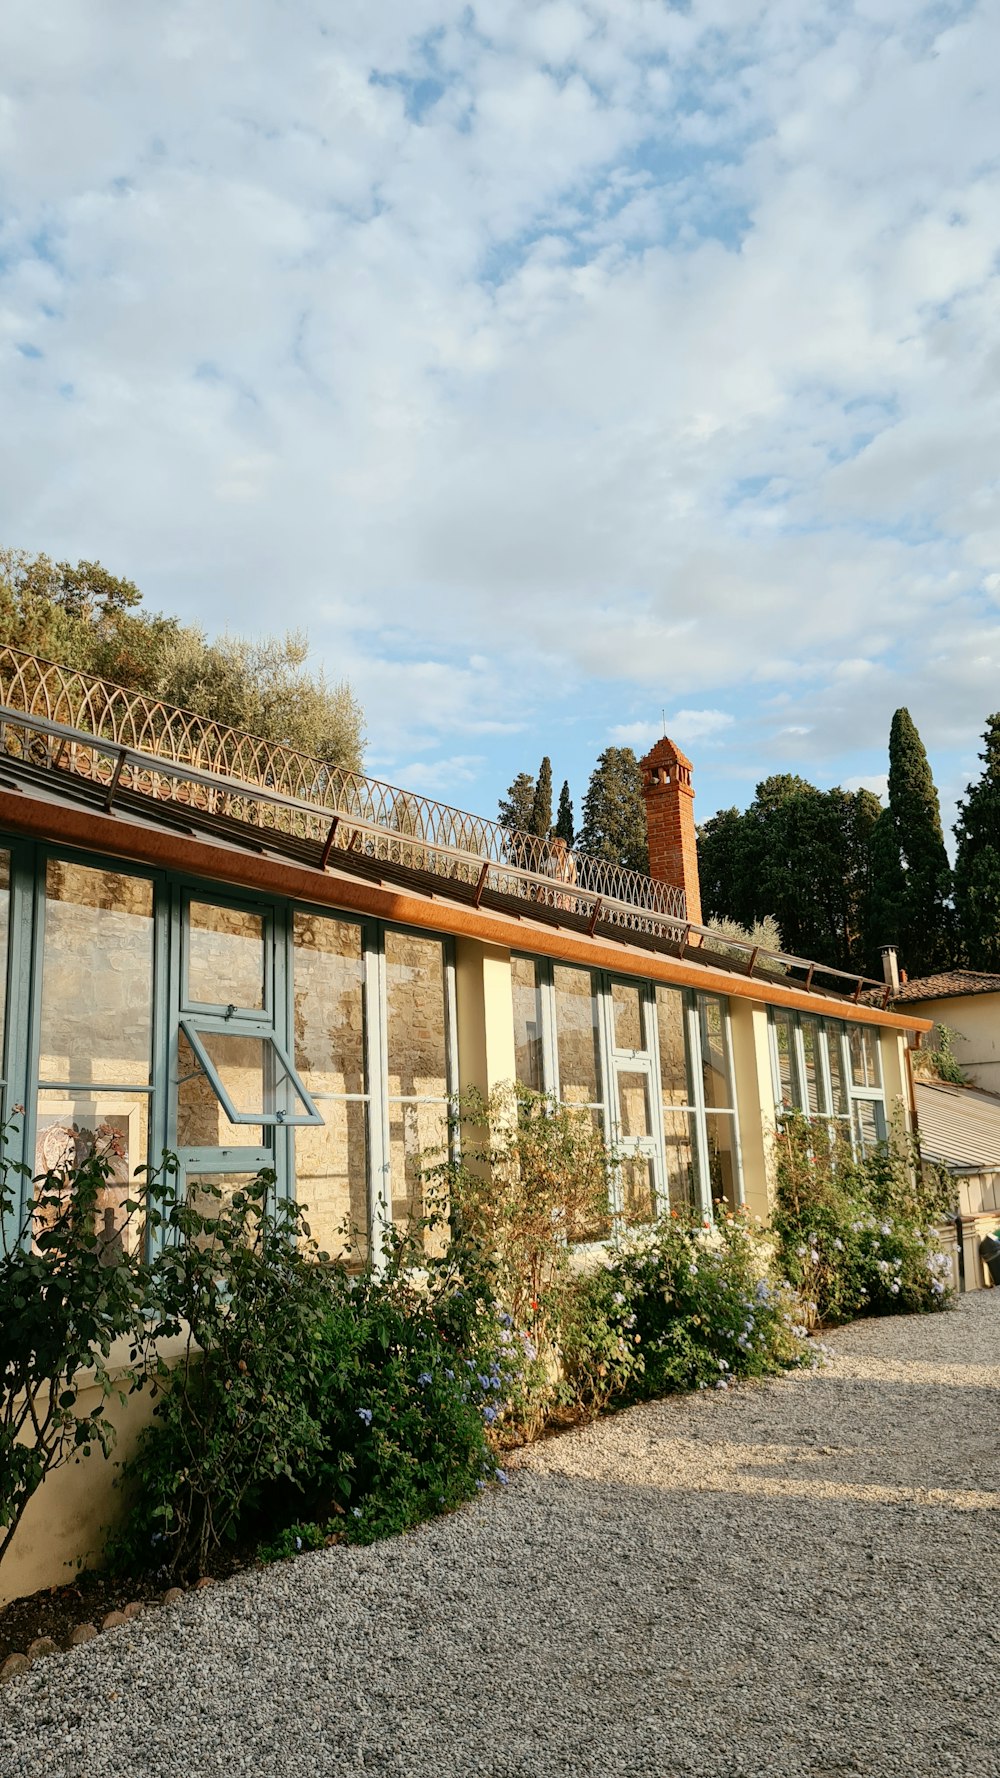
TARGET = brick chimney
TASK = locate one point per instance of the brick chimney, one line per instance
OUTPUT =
(669, 798)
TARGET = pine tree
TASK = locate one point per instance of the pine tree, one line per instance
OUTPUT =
(564, 819)
(913, 882)
(977, 863)
(541, 806)
(614, 814)
(516, 808)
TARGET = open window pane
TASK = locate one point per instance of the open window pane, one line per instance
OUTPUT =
(329, 1004)
(97, 976)
(226, 956)
(417, 1028)
(252, 1078)
(626, 1004)
(671, 1025)
(527, 1023)
(202, 1121)
(577, 1037)
(633, 1105)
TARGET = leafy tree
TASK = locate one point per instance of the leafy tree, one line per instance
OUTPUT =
(800, 855)
(977, 863)
(88, 618)
(541, 805)
(563, 829)
(517, 808)
(614, 814)
(912, 883)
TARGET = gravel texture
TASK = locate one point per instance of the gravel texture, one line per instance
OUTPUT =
(799, 1577)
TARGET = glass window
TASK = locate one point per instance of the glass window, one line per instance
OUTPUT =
(868, 1118)
(682, 1184)
(69, 1129)
(97, 977)
(626, 1006)
(723, 1164)
(226, 956)
(714, 1053)
(637, 1177)
(202, 1121)
(783, 1026)
(633, 1104)
(250, 1074)
(813, 1073)
(527, 1023)
(419, 1084)
(417, 1030)
(331, 1177)
(329, 1004)
(671, 1022)
(865, 1068)
(209, 1193)
(837, 1082)
(577, 1037)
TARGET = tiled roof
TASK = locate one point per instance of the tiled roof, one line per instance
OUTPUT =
(947, 984)
(958, 1125)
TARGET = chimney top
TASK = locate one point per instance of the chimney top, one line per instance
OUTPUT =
(890, 967)
(669, 798)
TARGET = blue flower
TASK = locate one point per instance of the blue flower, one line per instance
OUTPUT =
(365, 1414)
(489, 1415)
(424, 1378)
(501, 1476)
(356, 1510)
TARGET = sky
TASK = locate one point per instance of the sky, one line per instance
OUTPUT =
(562, 368)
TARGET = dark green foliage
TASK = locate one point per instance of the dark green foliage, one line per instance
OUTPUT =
(674, 1312)
(801, 855)
(977, 862)
(303, 1394)
(67, 1293)
(516, 808)
(857, 1235)
(614, 814)
(563, 829)
(86, 618)
(541, 804)
(912, 877)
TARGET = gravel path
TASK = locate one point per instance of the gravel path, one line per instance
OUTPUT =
(794, 1578)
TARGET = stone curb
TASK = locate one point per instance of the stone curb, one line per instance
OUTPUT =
(16, 1663)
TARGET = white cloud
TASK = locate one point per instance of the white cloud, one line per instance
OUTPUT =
(524, 349)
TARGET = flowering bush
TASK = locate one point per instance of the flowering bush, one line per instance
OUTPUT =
(682, 1307)
(857, 1236)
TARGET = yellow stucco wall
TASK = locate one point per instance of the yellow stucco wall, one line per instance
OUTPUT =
(975, 1020)
(68, 1518)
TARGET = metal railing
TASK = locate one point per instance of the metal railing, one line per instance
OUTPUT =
(147, 726)
(44, 745)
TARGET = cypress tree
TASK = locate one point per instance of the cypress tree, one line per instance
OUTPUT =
(614, 814)
(915, 846)
(977, 863)
(541, 806)
(564, 818)
(516, 808)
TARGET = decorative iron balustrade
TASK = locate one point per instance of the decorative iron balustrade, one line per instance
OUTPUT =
(296, 826)
(131, 719)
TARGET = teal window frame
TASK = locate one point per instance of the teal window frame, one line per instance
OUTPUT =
(194, 1027)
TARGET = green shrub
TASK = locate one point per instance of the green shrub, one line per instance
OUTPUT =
(857, 1235)
(681, 1307)
(68, 1291)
